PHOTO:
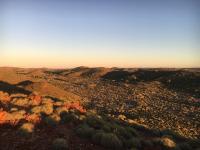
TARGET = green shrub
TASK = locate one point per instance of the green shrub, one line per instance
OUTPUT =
(171, 133)
(133, 149)
(84, 131)
(107, 127)
(134, 143)
(95, 122)
(110, 140)
(67, 117)
(183, 146)
(121, 131)
(132, 131)
(26, 129)
(61, 109)
(96, 138)
(52, 120)
(155, 132)
(194, 143)
(146, 143)
(156, 141)
(189, 145)
(82, 117)
(60, 144)
(140, 127)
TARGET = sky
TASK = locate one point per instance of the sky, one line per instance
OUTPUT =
(94, 33)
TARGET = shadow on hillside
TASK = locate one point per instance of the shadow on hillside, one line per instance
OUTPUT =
(188, 82)
(140, 75)
(118, 76)
(24, 83)
(12, 89)
(180, 80)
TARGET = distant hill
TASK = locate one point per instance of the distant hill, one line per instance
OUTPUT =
(45, 88)
(82, 72)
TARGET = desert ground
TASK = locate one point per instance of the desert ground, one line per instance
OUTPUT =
(99, 109)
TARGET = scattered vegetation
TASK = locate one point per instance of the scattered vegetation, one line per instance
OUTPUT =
(167, 142)
(110, 140)
(85, 131)
(52, 120)
(26, 129)
(60, 144)
(125, 111)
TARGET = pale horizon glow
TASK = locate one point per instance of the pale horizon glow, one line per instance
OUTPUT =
(131, 34)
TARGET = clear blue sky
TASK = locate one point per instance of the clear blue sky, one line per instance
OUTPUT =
(123, 33)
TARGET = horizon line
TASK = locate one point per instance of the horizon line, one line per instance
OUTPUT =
(20, 67)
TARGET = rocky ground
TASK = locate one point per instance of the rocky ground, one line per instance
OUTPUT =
(154, 102)
(150, 103)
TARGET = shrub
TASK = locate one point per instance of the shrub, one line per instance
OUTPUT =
(184, 146)
(156, 141)
(121, 131)
(60, 144)
(132, 131)
(61, 109)
(13, 109)
(155, 132)
(122, 117)
(167, 142)
(96, 138)
(33, 118)
(147, 143)
(95, 122)
(4, 117)
(22, 112)
(47, 101)
(52, 120)
(100, 137)
(4, 97)
(22, 102)
(107, 127)
(35, 99)
(36, 109)
(168, 132)
(67, 117)
(75, 105)
(45, 108)
(26, 129)
(133, 143)
(11, 118)
(85, 131)
(110, 140)
(140, 127)
(58, 104)
(82, 117)
(17, 115)
(194, 143)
